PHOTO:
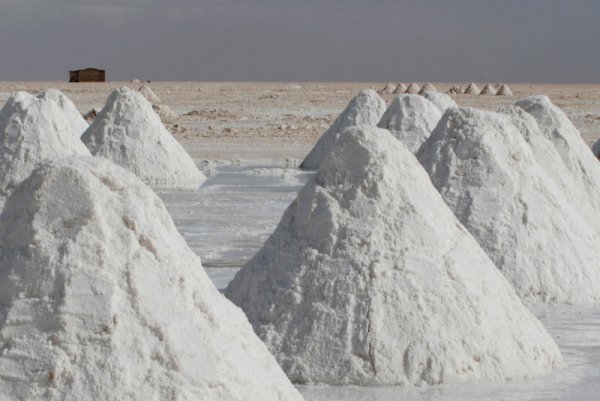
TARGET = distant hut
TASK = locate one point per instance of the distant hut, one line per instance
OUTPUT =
(87, 75)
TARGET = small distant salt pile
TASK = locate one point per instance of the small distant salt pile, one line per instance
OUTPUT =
(490, 178)
(440, 100)
(370, 280)
(413, 89)
(365, 109)
(504, 90)
(90, 115)
(149, 94)
(165, 113)
(575, 170)
(456, 90)
(411, 119)
(488, 90)
(102, 299)
(136, 81)
(388, 89)
(34, 128)
(472, 89)
(401, 88)
(128, 132)
(428, 87)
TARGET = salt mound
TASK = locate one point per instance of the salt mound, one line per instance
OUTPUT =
(410, 118)
(490, 178)
(440, 100)
(73, 116)
(472, 89)
(102, 299)
(401, 88)
(389, 88)
(365, 109)
(488, 90)
(149, 94)
(165, 113)
(456, 90)
(34, 128)
(427, 87)
(504, 90)
(413, 88)
(575, 169)
(369, 279)
(129, 132)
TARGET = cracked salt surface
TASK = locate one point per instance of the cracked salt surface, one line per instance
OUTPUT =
(230, 217)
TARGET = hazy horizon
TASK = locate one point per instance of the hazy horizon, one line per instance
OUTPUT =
(537, 41)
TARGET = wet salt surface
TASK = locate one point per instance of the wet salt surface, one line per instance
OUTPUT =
(227, 220)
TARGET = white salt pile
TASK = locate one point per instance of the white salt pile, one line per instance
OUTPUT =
(440, 100)
(365, 109)
(488, 90)
(128, 132)
(389, 88)
(413, 89)
(369, 279)
(471, 89)
(34, 128)
(427, 87)
(570, 163)
(504, 90)
(401, 88)
(165, 113)
(490, 178)
(102, 299)
(149, 94)
(456, 90)
(411, 119)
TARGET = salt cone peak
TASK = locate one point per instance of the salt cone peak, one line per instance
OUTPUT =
(488, 89)
(440, 100)
(69, 109)
(490, 177)
(504, 90)
(388, 88)
(364, 109)
(128, 132)
(427, 87)
(401, 88)
(342, 295)
(411, 119)
(34, 128)
(471, 89)
(413, 88)
(149, 94)
(101, 298)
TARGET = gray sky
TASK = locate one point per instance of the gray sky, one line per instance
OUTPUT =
(299, 40)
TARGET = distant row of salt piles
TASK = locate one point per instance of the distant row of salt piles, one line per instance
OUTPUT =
(471, 89)
(100, 296)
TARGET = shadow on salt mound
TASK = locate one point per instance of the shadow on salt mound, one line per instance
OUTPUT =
(111, 301)
(369, 279)
(128, 132)
(440, 100)
(34, 128)
(364, 110)
(410, 118)
(491, 179)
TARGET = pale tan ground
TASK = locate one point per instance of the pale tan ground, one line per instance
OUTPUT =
(249, 120)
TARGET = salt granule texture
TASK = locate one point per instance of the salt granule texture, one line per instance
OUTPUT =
(128, 132)
(489, 176)
(34, 128)
(365, 109)
(369, 279)
(440, 100)
(102, 299)
(410, 118)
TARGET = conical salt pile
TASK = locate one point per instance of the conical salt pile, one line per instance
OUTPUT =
(427, 87)
(34, 128)
(490, 178)
(411, 119)
(102, 299)
(388, 89)
(413, 89)
(69, 110)
(456, 90)
(440, 100)
(472, 89)
(573, 167)
(365, 109)
(128, 132)
(488, 90)
(504, 90)
(149, 94)
(401, 88)
(369, 279)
